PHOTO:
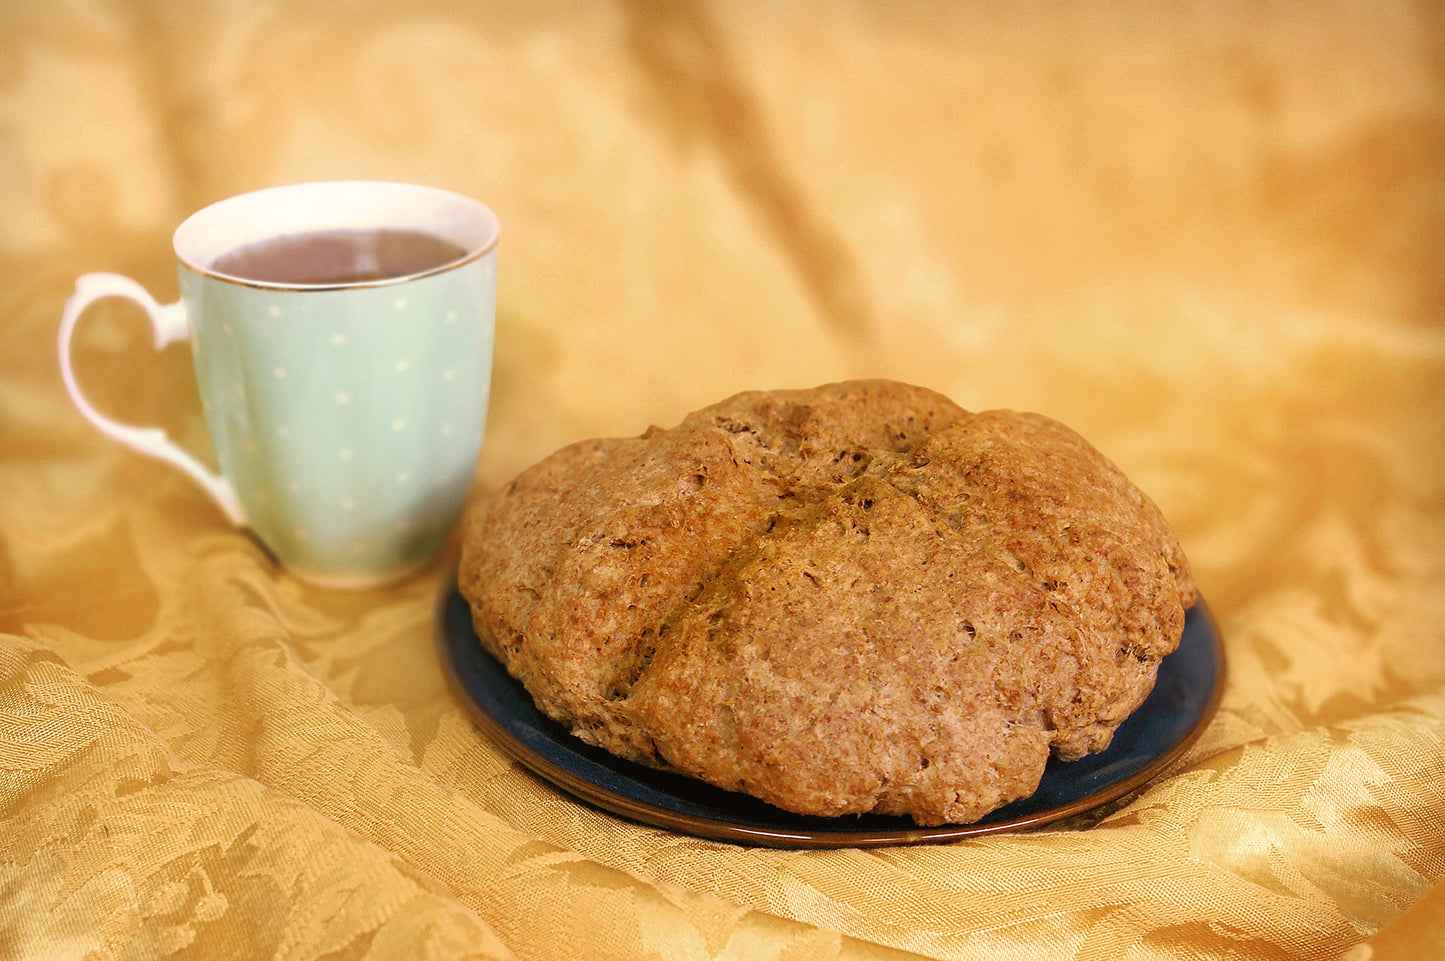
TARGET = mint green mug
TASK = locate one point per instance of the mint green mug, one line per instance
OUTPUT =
(342, 340)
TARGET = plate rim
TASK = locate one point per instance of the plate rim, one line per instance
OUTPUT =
(642, 812)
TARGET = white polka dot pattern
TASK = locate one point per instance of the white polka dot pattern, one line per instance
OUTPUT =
(375, 400)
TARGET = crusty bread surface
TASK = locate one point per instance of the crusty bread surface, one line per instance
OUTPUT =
(854, 598)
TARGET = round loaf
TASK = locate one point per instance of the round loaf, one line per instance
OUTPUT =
(855, 598)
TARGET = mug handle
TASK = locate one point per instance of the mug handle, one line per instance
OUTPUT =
(170, 325)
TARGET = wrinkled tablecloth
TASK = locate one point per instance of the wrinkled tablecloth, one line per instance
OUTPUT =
(1211, 237)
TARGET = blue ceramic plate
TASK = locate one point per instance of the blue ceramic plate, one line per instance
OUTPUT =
(1185, 696)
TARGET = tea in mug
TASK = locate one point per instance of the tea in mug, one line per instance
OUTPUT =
(338, 257)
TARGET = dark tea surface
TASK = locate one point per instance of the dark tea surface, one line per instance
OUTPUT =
(338, 257)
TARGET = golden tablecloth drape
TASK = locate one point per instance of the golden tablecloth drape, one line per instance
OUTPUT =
(1210, 237)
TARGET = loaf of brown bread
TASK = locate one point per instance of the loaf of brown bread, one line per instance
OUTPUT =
(855, 598)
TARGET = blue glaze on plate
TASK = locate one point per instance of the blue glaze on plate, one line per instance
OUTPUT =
(1184, 698)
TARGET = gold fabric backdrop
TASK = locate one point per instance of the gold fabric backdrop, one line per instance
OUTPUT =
(1211, 237)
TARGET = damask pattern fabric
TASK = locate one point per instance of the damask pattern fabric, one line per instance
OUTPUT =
(1208, 238)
